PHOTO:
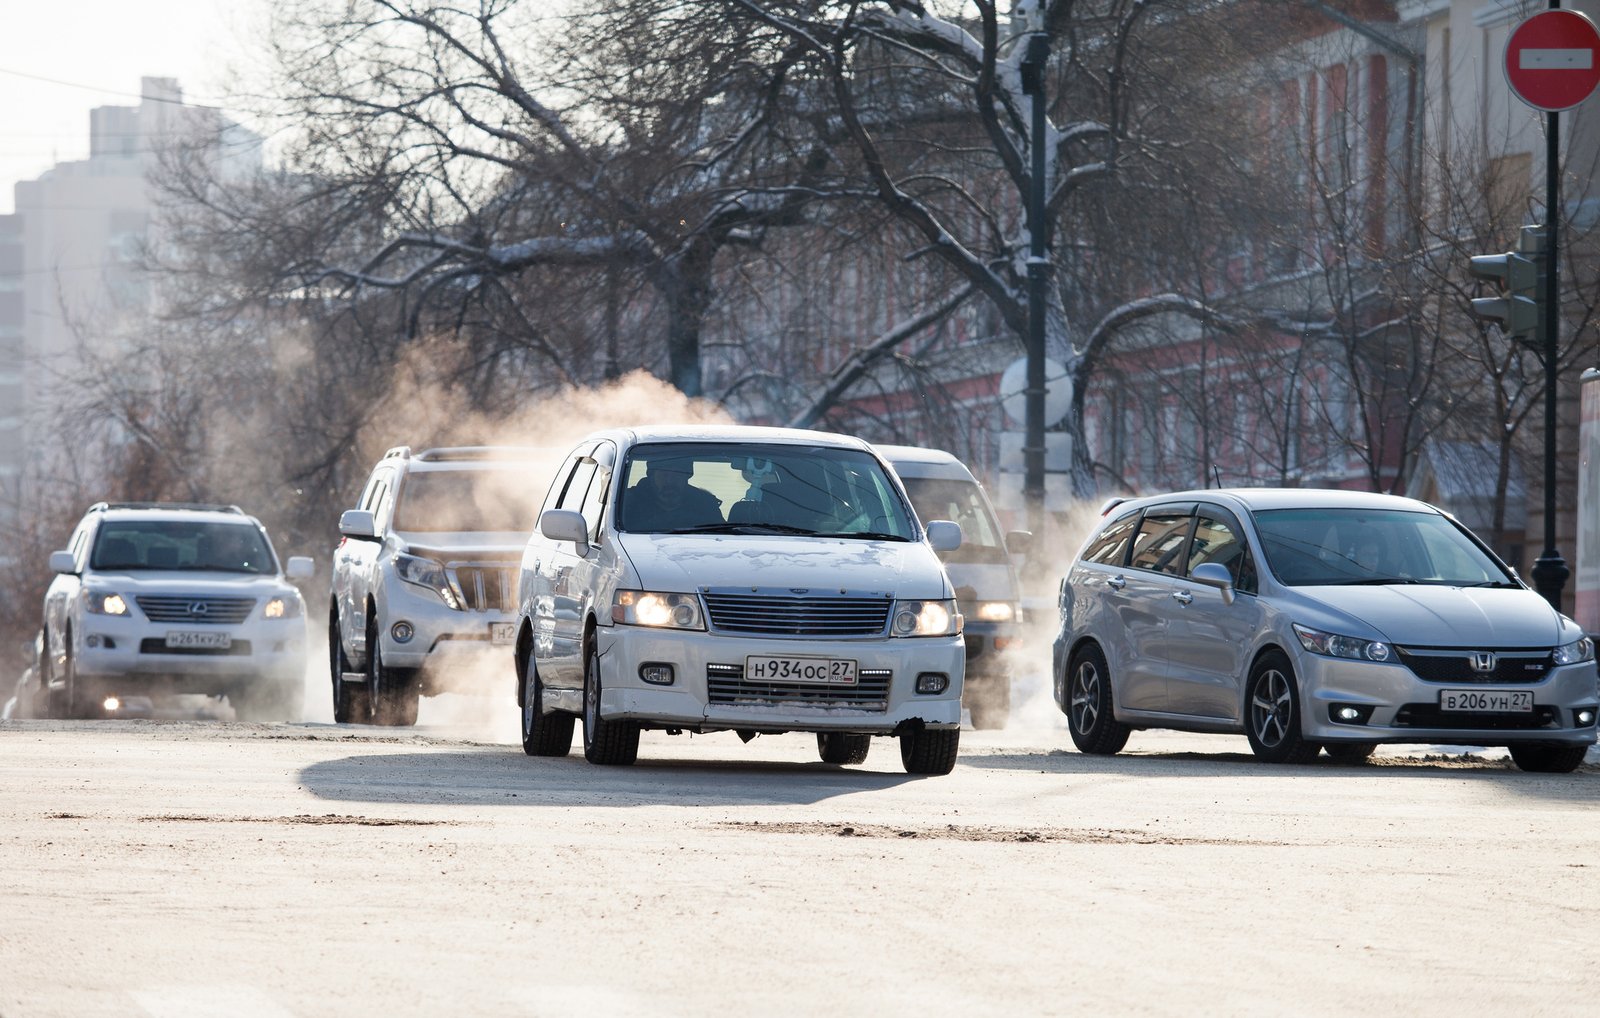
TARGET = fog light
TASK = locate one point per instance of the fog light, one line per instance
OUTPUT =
(1349, 714)
(656, 674)
(402, 632)
(91, 640)
(111, 704)
(1585, 717)
(932, 682)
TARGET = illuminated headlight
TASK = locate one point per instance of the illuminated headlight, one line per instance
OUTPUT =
(1332, 645)
(1575, 652)
(926, 618)
(996, 611)
(101, 603)
(654, 608)
(425, 572)
(282, 608)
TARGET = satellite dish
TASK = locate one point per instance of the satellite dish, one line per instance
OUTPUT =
(1057, 391)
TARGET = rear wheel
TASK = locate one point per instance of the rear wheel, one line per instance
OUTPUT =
(604, 742)
(1091, 719)
(1549, 759)
(542, 734)
(1272, 713)
(843, 747)
(930, 750)
(351, 704)
(1350, 752)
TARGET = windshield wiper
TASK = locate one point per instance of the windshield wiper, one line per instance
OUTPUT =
(741, 528)
(1375, 581)
(1491, 584)
(866, 535)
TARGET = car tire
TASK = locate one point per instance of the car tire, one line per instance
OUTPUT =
(1272, 713)
(989, 702)
(612, 743)
(54, 701)
(394, 691)
(1091, 714)
(542, 734)
(1350, 753)
(843, 747)
(1547, 759)
(929, 750)
(351, 704)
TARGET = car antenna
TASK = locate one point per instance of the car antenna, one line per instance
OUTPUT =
(1216, 472)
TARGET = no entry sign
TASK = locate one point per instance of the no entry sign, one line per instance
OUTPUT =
(1553, 60)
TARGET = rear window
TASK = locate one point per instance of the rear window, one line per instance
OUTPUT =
(182, 545)
(1111, 547)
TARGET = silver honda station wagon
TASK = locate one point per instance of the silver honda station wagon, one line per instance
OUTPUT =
(1315, 619)
(755, 580)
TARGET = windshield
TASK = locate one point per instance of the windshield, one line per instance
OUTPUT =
(457, 501)
(182, 544)
(961, 501)
(1312, 547)
(759, 488)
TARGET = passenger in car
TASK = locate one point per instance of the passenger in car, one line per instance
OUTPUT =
(665, 500)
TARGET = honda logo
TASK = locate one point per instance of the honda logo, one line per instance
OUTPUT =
(1483, 661)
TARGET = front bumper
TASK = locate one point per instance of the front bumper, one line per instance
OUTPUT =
(709, 692)
(1400, 707)
(454, 650)
(130, 654)
(990, 648)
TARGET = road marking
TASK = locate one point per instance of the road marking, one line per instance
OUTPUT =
(1556, 59)
(208, 1002)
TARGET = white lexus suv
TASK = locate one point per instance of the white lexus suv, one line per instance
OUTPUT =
(155, 599)
(424, 578)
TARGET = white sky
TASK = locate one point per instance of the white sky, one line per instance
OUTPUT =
(94, 52)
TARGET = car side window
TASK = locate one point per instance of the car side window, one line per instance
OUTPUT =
(594, 501)
(1111, 546)
(79, 546)
(558, 486)
(578, 486)
(1163, 533)
(1217, 538)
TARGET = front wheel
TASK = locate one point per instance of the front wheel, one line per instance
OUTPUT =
(394, 691)
(930, 750)
(351, 705)
(843, 747)
(1091, 718)
(1549, 759)
(604, 742)
(1272, 713)
(542, 734)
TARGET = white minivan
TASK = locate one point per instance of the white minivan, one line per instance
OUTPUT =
(755, 580)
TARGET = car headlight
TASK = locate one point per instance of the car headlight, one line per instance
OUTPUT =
(996, 611)
(1333, 645)
(425, 572)
(1575, 652)
(925, 618)
(282, 608)
(101, 603)
(656, 608)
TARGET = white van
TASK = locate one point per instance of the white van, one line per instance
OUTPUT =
(988, 592)
(756, 580)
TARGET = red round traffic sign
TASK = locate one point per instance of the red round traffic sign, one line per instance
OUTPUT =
(1553, 60)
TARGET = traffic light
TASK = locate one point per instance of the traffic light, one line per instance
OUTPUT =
(1518, 275)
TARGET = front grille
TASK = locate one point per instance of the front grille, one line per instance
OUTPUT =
(725, 684)
(221, 611)
(1454, 665)
(158, 645)
(489, 588)
(1428, 715)
(773, 614)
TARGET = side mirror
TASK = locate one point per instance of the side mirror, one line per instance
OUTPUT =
(944, 535)
(359, 524)
(62, 562)
(1214, 574)
(565, 525)
(1019, 542)
(300, 567)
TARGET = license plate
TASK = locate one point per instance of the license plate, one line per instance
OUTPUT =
(828, 670)
(1487, 701)
(215, 641)
(502, 633)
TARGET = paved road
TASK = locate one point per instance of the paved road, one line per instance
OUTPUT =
(206, 867)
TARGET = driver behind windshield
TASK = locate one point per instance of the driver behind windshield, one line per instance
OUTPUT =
(665, 500)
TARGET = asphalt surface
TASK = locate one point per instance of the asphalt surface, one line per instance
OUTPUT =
(200, 867)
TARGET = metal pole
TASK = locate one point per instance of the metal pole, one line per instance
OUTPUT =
(1038, 280)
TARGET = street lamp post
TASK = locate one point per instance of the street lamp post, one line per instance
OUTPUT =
(1034, 60)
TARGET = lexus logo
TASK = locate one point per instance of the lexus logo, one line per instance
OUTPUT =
(1483, 661)
(199, 608)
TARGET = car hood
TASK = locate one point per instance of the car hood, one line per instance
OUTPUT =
(200, 583)
(468, 544)
(1436, 616)
(685, 562)
(983, 581)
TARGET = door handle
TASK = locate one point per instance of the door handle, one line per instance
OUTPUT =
(1182, 596)
(1116, 583)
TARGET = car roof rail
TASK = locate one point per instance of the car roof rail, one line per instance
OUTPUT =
(477, 452)
(398, 452)
(204, 507)
(1112, 503)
